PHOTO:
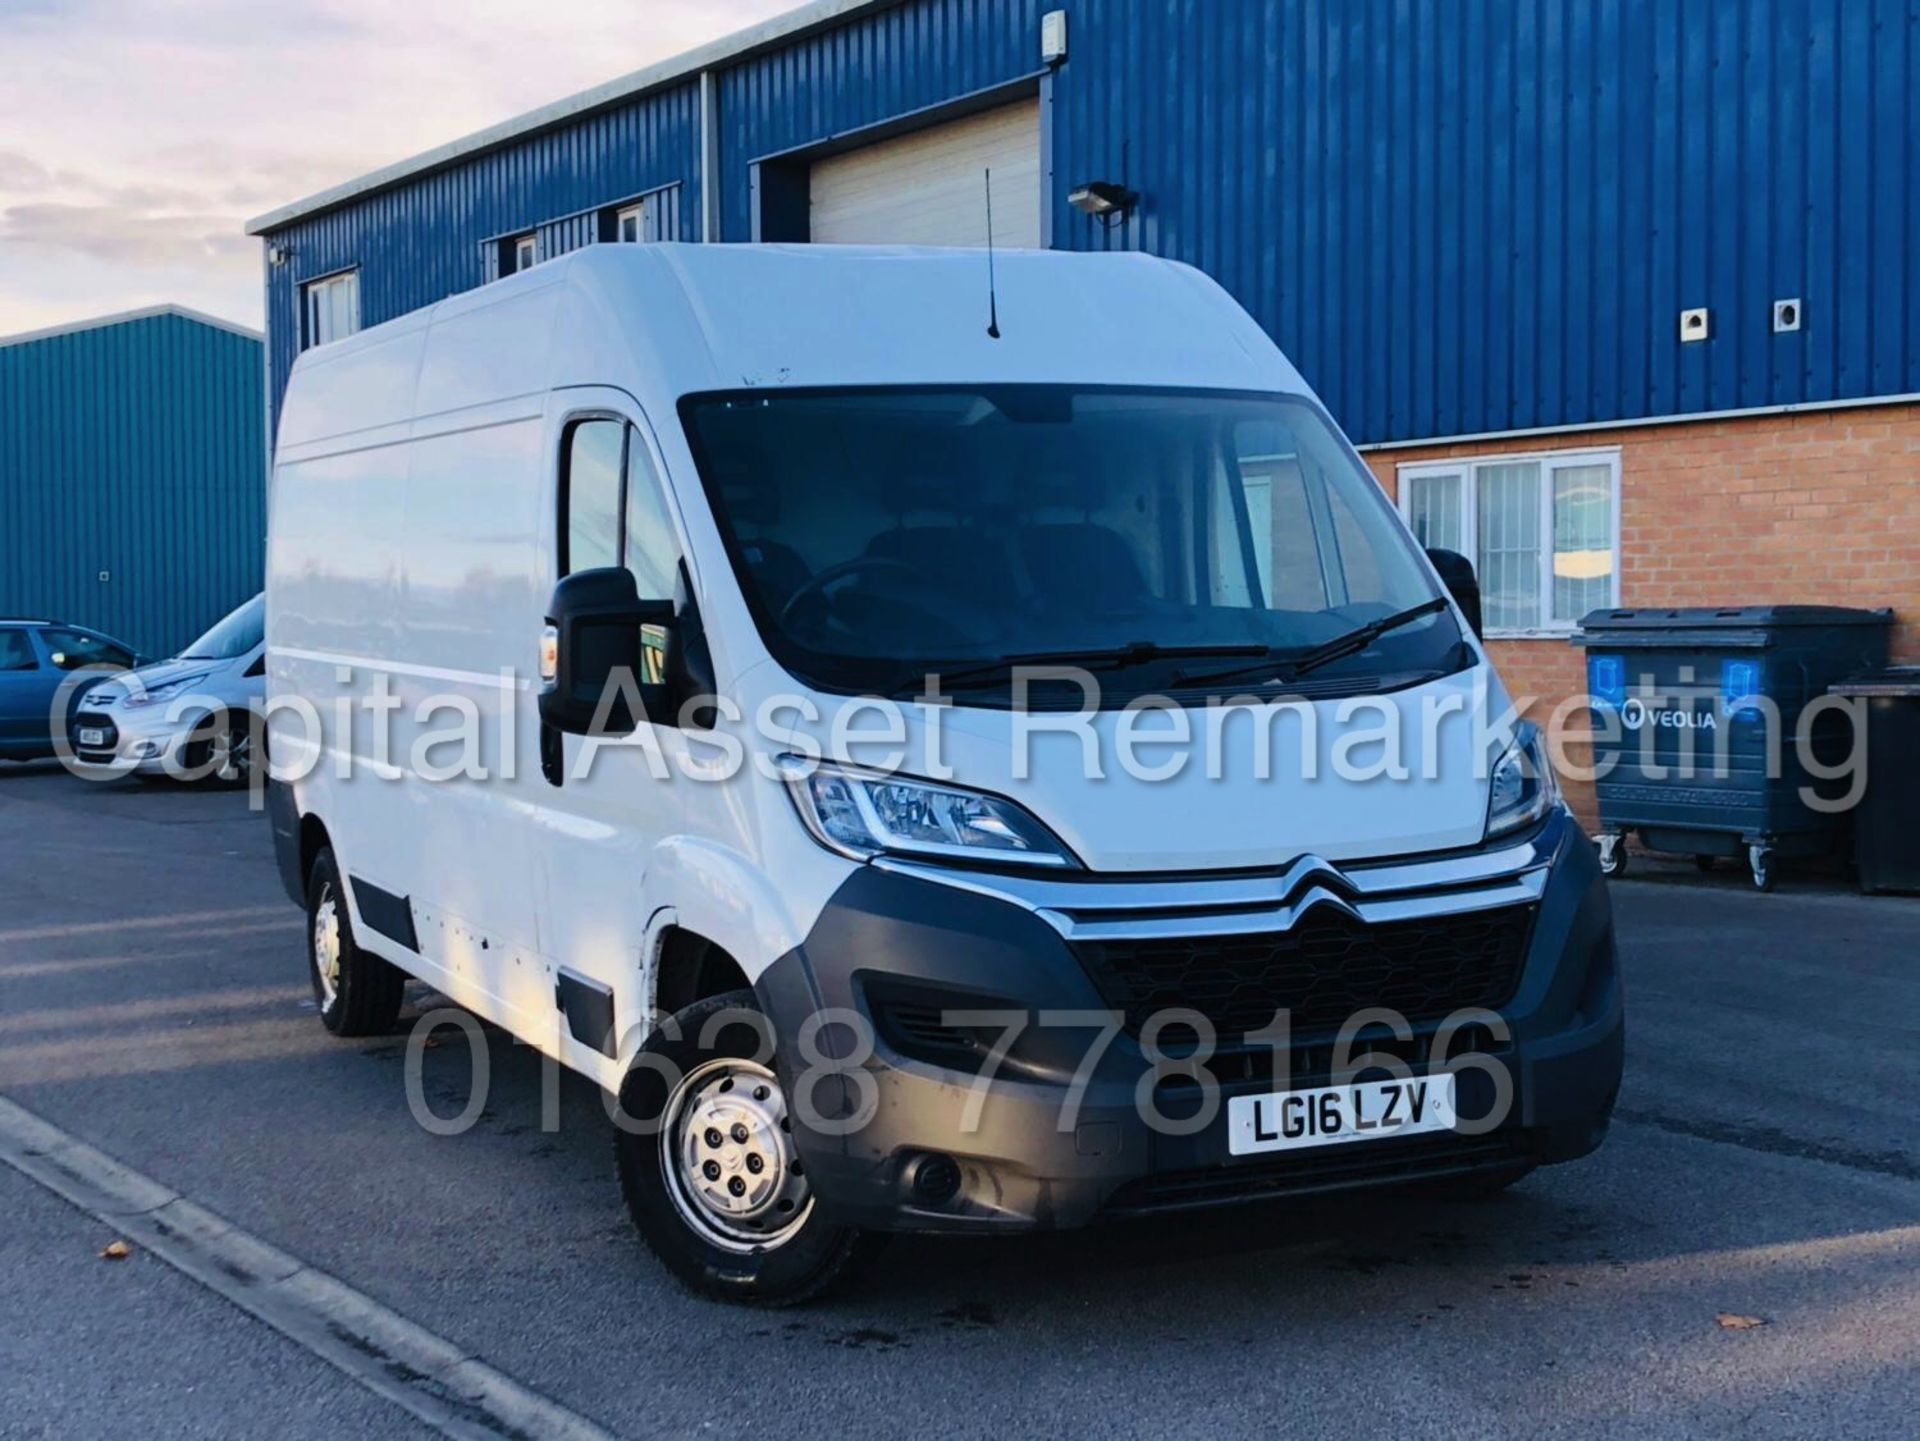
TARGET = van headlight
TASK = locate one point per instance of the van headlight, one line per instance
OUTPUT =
(1523, 787)
(861, 814)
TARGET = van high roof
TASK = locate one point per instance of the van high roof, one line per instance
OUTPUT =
(663, 321)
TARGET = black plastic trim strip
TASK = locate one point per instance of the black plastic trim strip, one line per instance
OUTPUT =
(386, 913)
(588, 1007)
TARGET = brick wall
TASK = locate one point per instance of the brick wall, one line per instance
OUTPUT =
(1816, 507)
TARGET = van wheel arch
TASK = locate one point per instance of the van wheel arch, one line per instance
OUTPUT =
(313, 840)
(692, 968)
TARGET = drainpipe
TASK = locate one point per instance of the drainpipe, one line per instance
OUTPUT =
(709, 157)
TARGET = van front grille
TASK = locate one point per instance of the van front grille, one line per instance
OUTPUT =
(1322, 970)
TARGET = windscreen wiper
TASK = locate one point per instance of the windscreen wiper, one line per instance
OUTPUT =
(1135, 652)
(1327, 652)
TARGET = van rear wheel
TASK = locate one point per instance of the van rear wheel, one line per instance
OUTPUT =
(708, 1167)
(358, 994)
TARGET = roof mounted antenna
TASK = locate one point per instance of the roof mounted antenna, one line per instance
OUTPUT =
(993, 289)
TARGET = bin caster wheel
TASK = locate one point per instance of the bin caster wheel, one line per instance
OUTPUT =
(1613, 855)
(1760, 859)
(1703, 864)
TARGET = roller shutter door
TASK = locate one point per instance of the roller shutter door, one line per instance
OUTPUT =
(927, 187)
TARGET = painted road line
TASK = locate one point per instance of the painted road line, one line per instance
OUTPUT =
(443, 1384)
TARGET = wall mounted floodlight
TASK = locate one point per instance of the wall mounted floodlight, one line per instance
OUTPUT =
(279, 254)
(1103, 200)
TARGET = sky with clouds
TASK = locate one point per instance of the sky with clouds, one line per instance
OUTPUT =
(138, 136)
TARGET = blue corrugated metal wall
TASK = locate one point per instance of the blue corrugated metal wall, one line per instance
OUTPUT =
(421, 242)
(136, 449)
(1456, 215)
(1482, 215)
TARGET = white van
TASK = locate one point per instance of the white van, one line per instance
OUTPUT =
(657, 546)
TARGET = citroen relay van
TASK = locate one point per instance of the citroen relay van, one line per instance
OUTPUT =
(946, 749)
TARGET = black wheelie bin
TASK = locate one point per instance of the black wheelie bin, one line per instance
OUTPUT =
(1709, 724)
(1886, 827)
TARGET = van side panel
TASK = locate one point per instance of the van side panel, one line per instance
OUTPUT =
(409, 567)
(473, 598)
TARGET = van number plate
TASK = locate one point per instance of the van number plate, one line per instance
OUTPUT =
(1365, 1111)
(92, 737)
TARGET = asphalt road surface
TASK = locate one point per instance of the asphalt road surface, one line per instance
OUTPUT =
(153, 1004)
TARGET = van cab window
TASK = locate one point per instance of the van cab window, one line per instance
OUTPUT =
(883, 533)
(590, 495)
(653, 554)
(614, 509)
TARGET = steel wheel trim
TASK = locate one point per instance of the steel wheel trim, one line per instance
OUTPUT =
(326, 947)
(726, 1151)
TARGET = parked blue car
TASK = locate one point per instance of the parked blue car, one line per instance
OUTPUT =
(36, 657)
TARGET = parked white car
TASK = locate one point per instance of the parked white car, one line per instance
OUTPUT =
(188, 717)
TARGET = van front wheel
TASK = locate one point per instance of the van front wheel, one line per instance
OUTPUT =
(708, 1166)
(358, 994)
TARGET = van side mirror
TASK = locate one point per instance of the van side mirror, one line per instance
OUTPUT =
(1457, 573)
(595, 658)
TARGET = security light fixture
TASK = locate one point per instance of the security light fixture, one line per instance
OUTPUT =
(1103, 200)
(279, 254)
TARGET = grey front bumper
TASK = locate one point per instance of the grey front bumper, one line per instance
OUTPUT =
(1054, 1142)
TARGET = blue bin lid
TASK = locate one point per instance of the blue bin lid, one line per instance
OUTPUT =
(1742, 626)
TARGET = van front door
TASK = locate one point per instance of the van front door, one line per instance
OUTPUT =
(613, 801)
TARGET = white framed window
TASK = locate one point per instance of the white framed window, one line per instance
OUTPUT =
(652, 217)
(1542, 531)
(330, 308)
(525, 250)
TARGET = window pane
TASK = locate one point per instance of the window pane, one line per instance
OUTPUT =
(593, 496)
(332, 308)
(1582, 539)
(981, 522)
(16, 651)
(1300, 566)
(70, 650)
(653, 555)
(1437, 512)
(1509, 544)
(1292, 571)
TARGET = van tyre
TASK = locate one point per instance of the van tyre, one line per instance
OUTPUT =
(358, 994)
(704, 1149)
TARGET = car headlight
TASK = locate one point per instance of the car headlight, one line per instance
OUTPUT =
(1523, 788)
(861, 814)
(164, 692)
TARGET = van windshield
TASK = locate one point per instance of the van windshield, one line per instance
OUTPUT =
(232, 636)
(1165, 536)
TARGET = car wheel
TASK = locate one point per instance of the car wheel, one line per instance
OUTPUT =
(708, 1167)
(220, 752)
(358, 994)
